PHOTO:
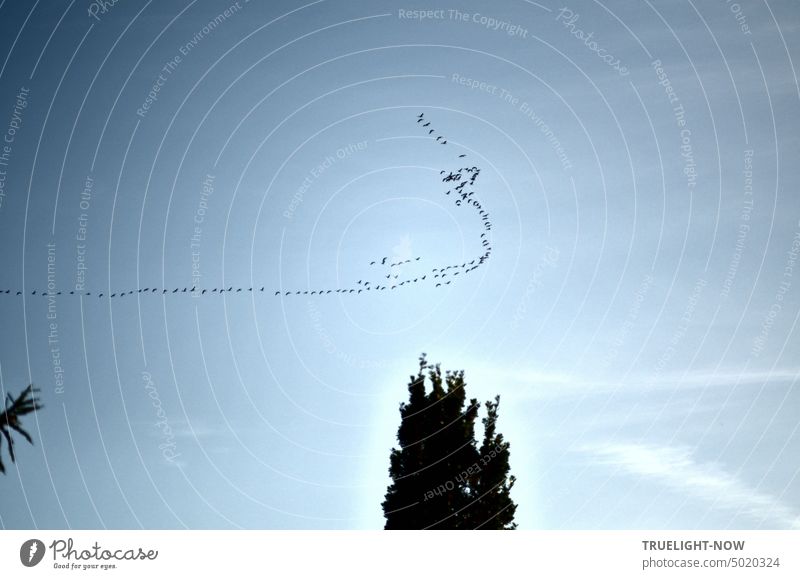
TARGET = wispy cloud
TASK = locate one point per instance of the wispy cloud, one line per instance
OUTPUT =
(537, 385)
(677, 469)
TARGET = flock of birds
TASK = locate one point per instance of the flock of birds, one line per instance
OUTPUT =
(460, 187)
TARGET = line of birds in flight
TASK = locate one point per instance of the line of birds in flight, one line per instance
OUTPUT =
(460, 183)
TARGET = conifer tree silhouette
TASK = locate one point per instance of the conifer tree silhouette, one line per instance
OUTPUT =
(440, 478)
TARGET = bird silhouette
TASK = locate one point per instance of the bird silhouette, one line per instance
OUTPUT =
(462, 175)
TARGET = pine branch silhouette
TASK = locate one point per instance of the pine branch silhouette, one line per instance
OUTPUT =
(25, 403)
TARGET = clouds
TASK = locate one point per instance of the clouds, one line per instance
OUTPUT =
(678, 470)
(534, 384)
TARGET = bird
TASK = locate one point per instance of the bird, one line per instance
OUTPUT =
(276, 293)
(444, 142)
(426, 124)
(383, 261)
(429, 132)
(420, 115)
(372, 263)
(437, 138)
(461, 156)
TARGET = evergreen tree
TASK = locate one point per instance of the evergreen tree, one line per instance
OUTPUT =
(440, 479)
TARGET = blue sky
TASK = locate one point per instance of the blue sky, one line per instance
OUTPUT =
(638, 312)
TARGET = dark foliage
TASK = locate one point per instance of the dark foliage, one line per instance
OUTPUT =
(24, 404)
(441, 479)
